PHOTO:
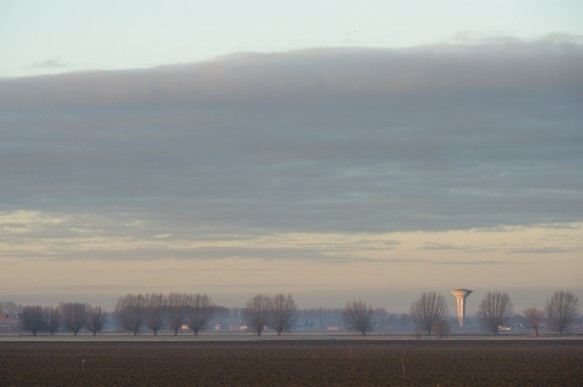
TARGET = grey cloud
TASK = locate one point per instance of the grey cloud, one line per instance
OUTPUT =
(191, 254)
(50, 63)
(441, 262)
(336, 72)
(442, 246)
(452, 247)
(426, 138)
(545, 250)
(475, 38)
(482, 262)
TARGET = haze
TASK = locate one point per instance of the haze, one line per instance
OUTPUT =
(331, 154)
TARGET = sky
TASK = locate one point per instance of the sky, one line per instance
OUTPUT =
(335, 150)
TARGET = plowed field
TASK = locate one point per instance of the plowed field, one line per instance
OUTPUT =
(308, 363)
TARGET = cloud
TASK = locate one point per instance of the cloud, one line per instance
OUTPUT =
(53, 237)
(475, 38)
(323, 140)
(333, 72)
(484, 262)
(546, 250)
(26, 222)
(50, 63)
(451, 247)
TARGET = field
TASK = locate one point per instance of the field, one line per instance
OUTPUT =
(296, 362)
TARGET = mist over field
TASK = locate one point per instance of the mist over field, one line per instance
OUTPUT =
(394, 300)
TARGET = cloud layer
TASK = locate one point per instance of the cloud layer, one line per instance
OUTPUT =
(324, 140)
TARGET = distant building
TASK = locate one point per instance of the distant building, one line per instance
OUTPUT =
(332, 327)
(238, 327)
(9, 325)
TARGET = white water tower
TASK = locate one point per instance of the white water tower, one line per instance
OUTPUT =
(461, 295)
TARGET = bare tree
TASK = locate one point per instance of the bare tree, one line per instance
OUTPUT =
(51, 319)
(200, 312)
(358, 316)
(428, 310)
(73, 315)
(534, 318)
(562, 309)
(284, 313)
(178, 305)
(495, 310)
(258, 312)
(10, 308)
(31, 319)
(155, 304)
(129, 312)
(96, 319)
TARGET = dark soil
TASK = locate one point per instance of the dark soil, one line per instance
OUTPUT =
(306, 363)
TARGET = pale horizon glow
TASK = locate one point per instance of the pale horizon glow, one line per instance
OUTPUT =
(376, 266)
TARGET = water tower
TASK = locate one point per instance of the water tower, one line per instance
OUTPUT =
(461, 295)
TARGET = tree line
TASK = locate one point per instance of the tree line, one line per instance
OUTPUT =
(71, 316)
(174, 311)
(430, 311)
